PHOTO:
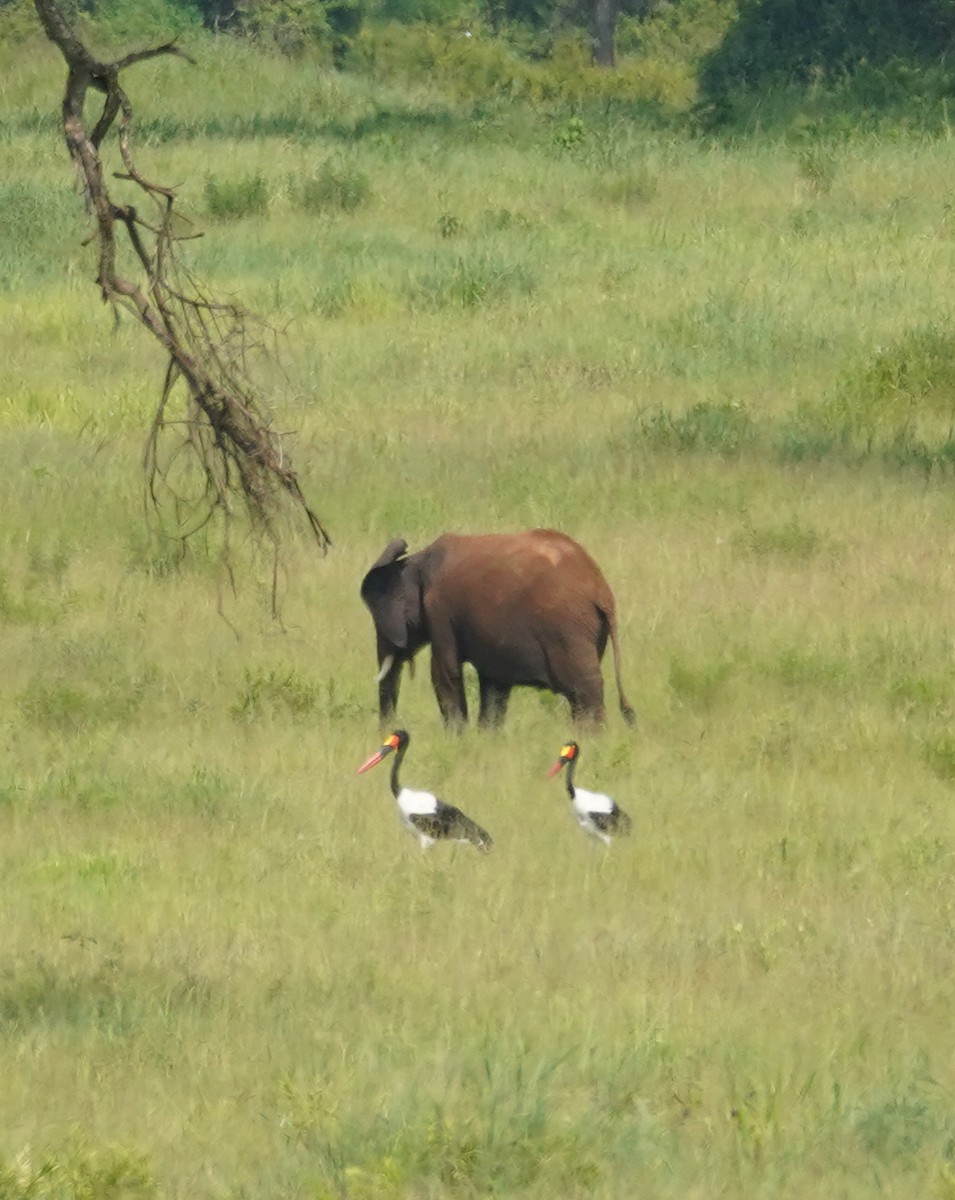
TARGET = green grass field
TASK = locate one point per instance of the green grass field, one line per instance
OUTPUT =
(225, 970)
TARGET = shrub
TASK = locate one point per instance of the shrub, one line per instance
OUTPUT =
(471, 65)
(337, 186)
(922, 693)
(495, 219)
(61, 708)
(17, 21)
(904, 386)
(230, 199)
(718, 428)
(570, 133)
(801, 666)
(449, 225)
(470, 282)
(274, 691)
(808, 435)
(939, 755)
(793, 540)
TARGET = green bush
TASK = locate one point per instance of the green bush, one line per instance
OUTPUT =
(939, 755)
(18, 22)
(337, 187)
(495, 219)
(809, 40)
(833, 66)
(271, 692)
(234, 198)
(906, 387)
(472, 66)
(790, 540)
(449, 225)
(717, 428)
(470, 282)
(808, 435)
(62, 708)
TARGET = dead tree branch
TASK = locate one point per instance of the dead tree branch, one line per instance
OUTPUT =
(208, 343)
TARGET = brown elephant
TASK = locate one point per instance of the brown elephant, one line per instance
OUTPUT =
(526, 609)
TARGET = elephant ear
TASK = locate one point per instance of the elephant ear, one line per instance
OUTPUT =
(391, 553)
(389, 594)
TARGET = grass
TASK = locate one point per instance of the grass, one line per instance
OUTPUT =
(224, 969)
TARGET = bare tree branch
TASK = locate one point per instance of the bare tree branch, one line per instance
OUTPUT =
(208, 343)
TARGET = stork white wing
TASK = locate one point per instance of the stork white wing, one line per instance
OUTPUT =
(589, 802)
(414, 803)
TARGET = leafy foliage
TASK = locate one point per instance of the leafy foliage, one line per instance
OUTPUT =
(849, 54)
(290, 26)
(809, 40)
(338, 186)
(232, 198)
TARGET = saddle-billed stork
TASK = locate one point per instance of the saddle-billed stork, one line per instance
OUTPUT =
(427, 817)
(596, 813)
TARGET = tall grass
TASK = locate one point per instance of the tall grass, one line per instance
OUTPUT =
(224, 968)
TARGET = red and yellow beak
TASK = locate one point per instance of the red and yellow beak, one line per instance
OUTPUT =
(390, 744)
(566, 755)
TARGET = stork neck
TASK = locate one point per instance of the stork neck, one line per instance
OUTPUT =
(569, 776)
(395, 768)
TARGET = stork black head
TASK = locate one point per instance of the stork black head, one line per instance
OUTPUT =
(394, 741)
(569, 753)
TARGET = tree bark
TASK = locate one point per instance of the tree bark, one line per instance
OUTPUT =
(605, 20)
(236, 453)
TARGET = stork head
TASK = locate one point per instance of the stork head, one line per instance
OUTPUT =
(568, 754)
(394, 741)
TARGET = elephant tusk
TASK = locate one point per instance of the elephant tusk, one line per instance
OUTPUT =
(385, 668)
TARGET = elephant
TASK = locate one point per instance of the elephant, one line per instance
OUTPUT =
(525, 609)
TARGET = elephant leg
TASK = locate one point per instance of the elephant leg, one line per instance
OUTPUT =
(587, 712)
(494, 698)
(583, 686)
(447, 679)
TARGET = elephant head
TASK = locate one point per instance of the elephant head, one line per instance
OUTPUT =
(392, 592)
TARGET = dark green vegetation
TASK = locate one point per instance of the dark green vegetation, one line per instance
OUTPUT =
(725, 368)
(738, 66)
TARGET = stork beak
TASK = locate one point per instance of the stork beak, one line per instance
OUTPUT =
(556, 767)
(376, 758)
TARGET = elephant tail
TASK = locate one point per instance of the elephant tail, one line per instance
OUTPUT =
(625, 707)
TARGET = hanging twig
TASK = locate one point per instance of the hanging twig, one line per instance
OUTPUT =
(208, 342)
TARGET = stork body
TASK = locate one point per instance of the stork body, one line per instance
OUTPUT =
(427, 817)
(597, 814)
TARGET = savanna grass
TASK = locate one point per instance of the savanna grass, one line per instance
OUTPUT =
(224, 968)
